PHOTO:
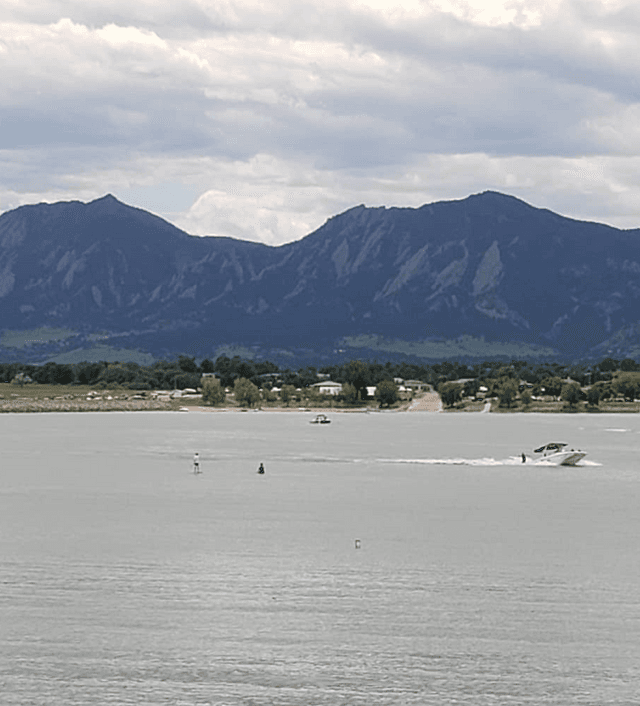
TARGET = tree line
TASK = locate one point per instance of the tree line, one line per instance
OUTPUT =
(185, 372)
(572, 384)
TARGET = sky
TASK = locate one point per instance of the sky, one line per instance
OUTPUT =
(260, 119)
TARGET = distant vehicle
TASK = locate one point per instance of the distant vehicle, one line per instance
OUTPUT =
(320, 419)
(559, 454)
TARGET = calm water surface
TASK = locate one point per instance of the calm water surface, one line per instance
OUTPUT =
(125, 579)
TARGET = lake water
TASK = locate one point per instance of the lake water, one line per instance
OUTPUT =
(126, 579)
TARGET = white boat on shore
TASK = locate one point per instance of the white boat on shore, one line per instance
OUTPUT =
(558, 454)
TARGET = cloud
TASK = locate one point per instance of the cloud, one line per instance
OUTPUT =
(260, 119)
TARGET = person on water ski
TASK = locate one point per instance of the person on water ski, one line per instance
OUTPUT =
(196, 463)
(261, 469)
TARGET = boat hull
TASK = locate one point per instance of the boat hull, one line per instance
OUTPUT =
(566, 458)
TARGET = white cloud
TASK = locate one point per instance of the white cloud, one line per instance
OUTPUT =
(260, 119)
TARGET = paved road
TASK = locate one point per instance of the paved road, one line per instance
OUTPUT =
(430, 402)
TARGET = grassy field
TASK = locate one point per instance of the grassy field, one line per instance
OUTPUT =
(40, 392)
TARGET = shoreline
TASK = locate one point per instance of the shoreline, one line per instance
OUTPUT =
(44, 407)
(35, 400)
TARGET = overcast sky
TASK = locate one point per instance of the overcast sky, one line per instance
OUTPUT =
(260, 119)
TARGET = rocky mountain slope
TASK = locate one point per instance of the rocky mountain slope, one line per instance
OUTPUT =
(487, 267)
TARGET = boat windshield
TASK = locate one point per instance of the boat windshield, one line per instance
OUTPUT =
(554, 446)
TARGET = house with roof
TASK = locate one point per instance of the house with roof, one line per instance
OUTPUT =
(327, 387)
(416, 385)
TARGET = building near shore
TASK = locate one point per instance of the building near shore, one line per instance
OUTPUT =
(327, 387)
(415, 385)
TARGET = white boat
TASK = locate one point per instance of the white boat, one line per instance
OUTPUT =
(321, 419)
(559, 454)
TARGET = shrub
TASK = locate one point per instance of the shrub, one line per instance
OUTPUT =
(350, 393)
(247, 394)
(212, 391)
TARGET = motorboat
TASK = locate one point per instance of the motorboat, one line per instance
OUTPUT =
(321, 419)
(559, 454)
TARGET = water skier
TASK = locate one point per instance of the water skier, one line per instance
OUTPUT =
(261, 469)
(196, 463)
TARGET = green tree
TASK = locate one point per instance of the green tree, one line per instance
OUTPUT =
(525, 397)
(357, 374)
(570, 393)
(386, 393)
(606, 390)
(313, 396)
(182, 380)
(627, 385)
(307, 376)
(507, 392)
(246, 393)
(21, 379)
(212, 391)
(350, 393)
(206, 366)
(594, 395)
(609, 365)
(268, 394)
(186, 364)
(287, 393)
(450, 393)
(88, 373)
(552, 385)
(117, 374)
(144, 380)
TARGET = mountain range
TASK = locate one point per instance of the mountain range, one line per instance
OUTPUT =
(483, 277)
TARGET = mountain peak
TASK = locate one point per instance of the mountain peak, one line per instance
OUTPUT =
(107, 204)
(107, 198)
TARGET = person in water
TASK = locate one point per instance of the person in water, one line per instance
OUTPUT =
(196, 463)
(524, 458)
(261, 469)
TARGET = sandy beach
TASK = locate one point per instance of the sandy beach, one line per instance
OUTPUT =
(68, 403)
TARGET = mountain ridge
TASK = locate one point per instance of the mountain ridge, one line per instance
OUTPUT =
(488, 266)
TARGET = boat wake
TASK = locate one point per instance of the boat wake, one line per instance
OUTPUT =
(486, 461)
(453, 461)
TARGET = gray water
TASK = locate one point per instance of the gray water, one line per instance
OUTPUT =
(125, 579)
